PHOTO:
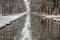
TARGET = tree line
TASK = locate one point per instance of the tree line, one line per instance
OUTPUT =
(11, 6)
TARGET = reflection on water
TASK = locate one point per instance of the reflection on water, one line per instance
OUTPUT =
(26, 34)
(44, 29)
(50, 30)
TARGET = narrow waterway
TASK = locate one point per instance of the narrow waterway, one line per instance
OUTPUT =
(26, 34)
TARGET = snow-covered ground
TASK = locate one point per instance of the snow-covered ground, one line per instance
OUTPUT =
(7, 19)
(54, 17)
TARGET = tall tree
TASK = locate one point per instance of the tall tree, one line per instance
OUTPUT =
(55, 5)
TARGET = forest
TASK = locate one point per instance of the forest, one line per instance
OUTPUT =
(17, 6)
(29, 19)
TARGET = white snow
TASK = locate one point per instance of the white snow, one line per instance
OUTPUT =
(54, 17)
(7, 19)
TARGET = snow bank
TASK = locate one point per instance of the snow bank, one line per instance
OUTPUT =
(54, 17)
(8, 19)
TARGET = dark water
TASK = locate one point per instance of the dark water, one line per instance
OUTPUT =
(44, 29)
(40, 30)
